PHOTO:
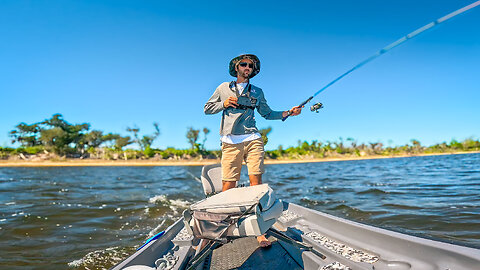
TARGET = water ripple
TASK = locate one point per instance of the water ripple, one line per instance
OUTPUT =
(92, 217)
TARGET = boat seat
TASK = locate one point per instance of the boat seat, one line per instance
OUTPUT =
(212, 179)
(237, 212)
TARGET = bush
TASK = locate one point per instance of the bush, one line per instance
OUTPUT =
(7, 149)
(5, 152)
(149, 152)
(34, 149)
(31, 150)
(272, 154)
(470, 144)
(454, 144)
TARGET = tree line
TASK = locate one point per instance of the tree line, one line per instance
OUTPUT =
(351, 148)
(55, 137)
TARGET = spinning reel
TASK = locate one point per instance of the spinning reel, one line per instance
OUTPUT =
(315, 107)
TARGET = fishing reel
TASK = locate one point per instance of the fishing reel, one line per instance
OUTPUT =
(315, 107)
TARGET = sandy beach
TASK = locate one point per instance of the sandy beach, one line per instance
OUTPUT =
(99, 162)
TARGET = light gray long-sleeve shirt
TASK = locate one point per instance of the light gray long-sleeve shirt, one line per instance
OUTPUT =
(239, 121)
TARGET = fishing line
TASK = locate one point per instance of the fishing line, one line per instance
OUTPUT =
(386, 49)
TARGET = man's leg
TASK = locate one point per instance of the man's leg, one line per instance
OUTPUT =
(255, 179)
(254, 156)
(232, 157)
(254, 153)
(228, 185)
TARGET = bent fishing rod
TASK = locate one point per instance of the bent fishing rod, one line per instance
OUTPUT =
(387, 48)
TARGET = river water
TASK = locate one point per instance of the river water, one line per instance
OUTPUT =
(92, 217)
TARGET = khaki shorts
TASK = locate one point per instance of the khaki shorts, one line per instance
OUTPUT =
(233, 155)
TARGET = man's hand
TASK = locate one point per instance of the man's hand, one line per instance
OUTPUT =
(230, 102)
(293, 111)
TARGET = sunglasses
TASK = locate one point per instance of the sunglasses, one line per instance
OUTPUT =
(244, 64)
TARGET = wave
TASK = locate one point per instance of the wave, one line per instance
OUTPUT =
(164, 200)
(355, 213)
(294, 177)
(108, 258)
(402, 206)
(176, 205)
(307, 202)
(156, 229)
(344, 207)
(158, 198)
(334, 189)
(373, 191)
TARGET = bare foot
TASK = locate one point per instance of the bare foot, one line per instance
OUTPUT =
(263, 241)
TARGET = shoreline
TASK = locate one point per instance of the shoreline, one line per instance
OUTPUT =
(143, 163)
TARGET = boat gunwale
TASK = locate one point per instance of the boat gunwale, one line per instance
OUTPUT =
(376, 240)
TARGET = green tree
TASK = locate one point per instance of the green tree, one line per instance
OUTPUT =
(205, 132)
(117, 141)
(415, 143)
(192, 138)
(454, 144)
(61, 137)
(352, 141)
(147, 140)
(135, 132)
(376, 147)
(264, 132)
(110, 138)
(55, 139)
(470, 144)
(417, 146)
(339, 146)
(121, 142)
(26, 135)
(92, 139)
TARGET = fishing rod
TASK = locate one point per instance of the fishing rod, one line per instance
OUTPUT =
(422, 29)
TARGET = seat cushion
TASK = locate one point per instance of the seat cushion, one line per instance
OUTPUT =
(240, 212)
(237, 200)
(257, 224)
(252, 224)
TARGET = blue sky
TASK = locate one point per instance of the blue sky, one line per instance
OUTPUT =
(116, 64)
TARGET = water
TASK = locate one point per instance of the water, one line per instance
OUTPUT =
(92, 217)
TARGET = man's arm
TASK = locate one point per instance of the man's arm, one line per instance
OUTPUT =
(293, 111)
(264, 110)
(214, 104)
(269, 114)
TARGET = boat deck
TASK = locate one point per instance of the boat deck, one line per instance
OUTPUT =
(244, 253)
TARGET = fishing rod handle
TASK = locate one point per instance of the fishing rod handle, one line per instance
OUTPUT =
(301, 105)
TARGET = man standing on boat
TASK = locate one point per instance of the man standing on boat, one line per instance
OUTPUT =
(241, 141)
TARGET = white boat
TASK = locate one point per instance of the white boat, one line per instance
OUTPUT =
(301, 239)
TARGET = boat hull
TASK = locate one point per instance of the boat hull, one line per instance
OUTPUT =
(346, 245)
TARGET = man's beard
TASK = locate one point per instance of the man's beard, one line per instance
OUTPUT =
(246, 75)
